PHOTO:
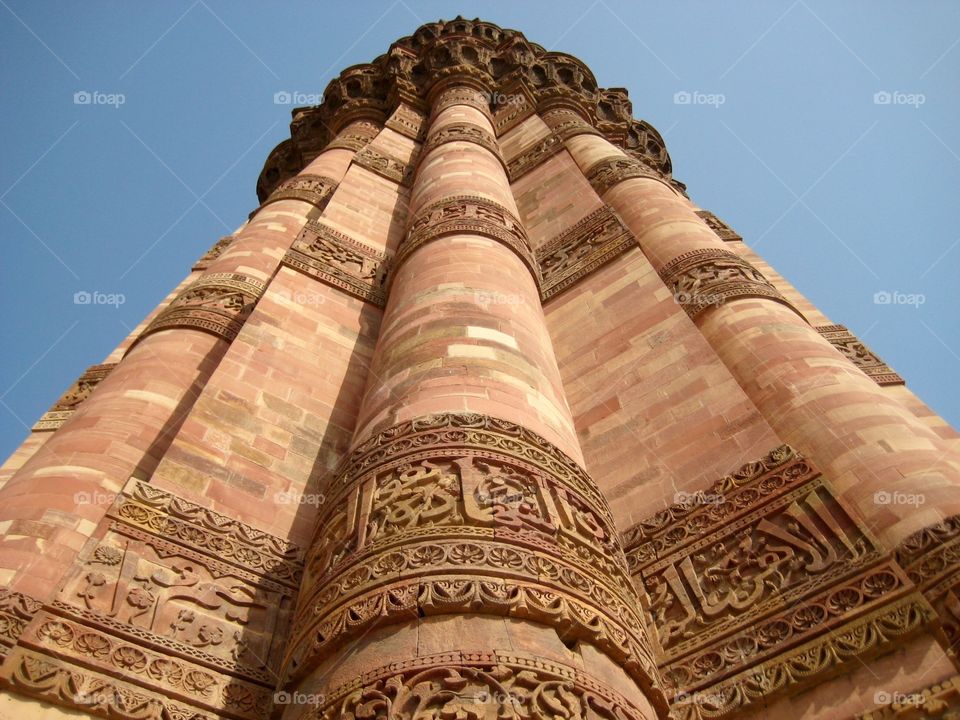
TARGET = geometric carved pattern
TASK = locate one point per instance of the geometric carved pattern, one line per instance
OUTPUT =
(723, 231)
(408, 122)
(68, 402)
(469, 214)
(213, 253)
(931, 558)
(762, 585)
(328, 255)
(593, 241)
(534, 156)
(384, 165)
(706, 277)
(485, 685)
(178, 601)
(466, 513)
(218, 303)
(859, 354)
(314, 189)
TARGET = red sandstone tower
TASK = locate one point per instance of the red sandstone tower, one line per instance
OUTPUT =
(480, 417)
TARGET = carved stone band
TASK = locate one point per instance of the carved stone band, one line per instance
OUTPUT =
(483, 685)
(328, 255)
(408, 122)
(538, 153)
(566, 124)
(217, 303)
(463, 132)
(723, 231)
(213, 253)
(606, 173)
(361, 133)
(461, 96)
(384, 165)
(851, 347)
(469, 214)
(463, 513)
(594, 241)
(71, 399)
(708, 277)
(314, 189)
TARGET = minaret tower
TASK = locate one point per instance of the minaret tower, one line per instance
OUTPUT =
(478, 417)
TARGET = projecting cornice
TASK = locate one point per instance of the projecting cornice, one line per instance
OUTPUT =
(480, 53)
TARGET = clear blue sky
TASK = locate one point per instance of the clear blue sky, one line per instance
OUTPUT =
(845, 196)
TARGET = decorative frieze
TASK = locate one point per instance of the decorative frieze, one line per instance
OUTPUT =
(217, 303)
(859, 354)
(539, 152)
(463, 132)
(465, 513)
(594, 241)
(723, 231)
(931, 558)
(469, 214)
(566, 124)
(314, 189)
(478, 685)
(408, 122)
(78, 392)
(461, 95)
(16, 611)
(384, 165)
(328, 255)
(177, 600)
(515, 103)
(606, 173)
(213, 253)
(707, 277)
(764, 584)
(360, 135)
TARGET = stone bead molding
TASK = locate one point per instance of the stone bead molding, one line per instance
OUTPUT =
(462, 513)
(518, 76)
(723, 231)
(764, 584)
(852, 348)
(338, 260)
(177, 611)
(933, 701)
(585, 247)
(386, 166)
(709, 277)
(314, 189)
(477, 685)
(217, 303)
(931, 558)
(78, 392)
(213, 253)
(469, 214)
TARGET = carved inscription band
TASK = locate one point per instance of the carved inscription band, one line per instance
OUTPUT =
(708, 277)
(328, 255)
(217, 303)
(314, 189)
(213, 253)
(606, 173)
(384, 165)
(465, 513)
(71, 399)
(463, 132)
(851, 347)
(472, 215)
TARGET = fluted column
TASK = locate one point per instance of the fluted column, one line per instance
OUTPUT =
(872, 448)
(465, 564)
(51, 506)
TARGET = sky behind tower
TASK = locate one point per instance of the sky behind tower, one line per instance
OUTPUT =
(825, 133)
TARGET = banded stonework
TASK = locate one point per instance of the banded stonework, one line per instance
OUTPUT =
(704, 278)
(65, 406)
(597, 239)
(851, 347)
(329, 255)
(763, 584)
(217, 303)
(424, 496)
